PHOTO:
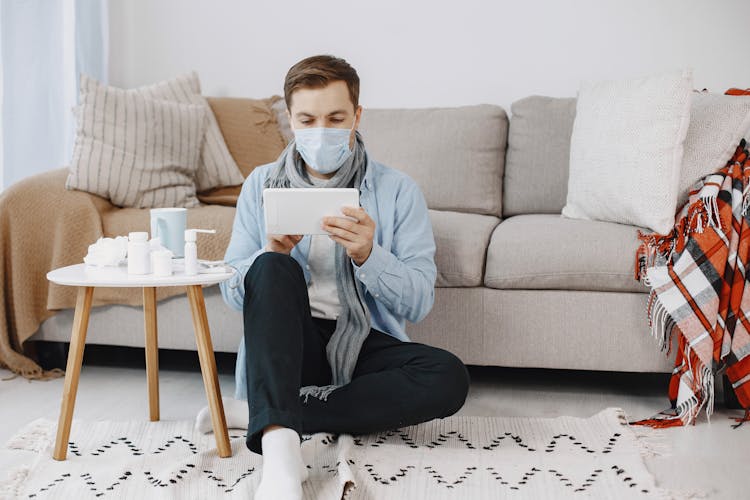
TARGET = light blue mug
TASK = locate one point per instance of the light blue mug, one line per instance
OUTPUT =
(169, 224)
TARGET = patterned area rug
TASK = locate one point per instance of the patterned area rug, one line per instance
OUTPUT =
(457, 457)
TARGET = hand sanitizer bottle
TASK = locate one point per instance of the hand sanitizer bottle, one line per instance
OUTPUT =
(191, 250)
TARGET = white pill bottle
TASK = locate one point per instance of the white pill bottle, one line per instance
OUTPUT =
(139, 259)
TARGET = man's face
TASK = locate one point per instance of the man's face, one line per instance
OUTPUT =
(328, 107)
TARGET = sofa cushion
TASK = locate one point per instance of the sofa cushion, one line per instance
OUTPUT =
(456, 155)
(250, 129)
(137, 151)
(546, 251)
(536, 170)
(253, 135)
(217, 167)
(626, 150)
(717, 124)
(461, 241)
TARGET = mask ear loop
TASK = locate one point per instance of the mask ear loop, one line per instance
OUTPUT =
(353, 130)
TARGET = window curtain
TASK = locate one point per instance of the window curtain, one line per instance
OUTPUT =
(44, 46)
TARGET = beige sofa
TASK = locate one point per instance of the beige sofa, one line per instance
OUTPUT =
(518, 285)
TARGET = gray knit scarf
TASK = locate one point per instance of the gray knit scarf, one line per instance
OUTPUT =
(353, 323)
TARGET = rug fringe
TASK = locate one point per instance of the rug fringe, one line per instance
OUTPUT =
(651, 442)
(34, 436)
(10, 487)
(665, 494)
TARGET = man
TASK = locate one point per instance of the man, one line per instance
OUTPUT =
(324, 346)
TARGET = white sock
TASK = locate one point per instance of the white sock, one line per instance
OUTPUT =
(283, 468)
(237, 417)
(235, 412)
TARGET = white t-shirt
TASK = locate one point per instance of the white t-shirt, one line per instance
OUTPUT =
(322, 289)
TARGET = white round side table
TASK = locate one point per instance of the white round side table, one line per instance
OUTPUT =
(86, 278)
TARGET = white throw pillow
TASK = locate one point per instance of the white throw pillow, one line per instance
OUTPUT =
(626, 150)
(217, 167)
(135, 151)
(717, 124)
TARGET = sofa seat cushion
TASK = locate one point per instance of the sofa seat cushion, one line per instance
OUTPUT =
(548, 251)
(461, 240)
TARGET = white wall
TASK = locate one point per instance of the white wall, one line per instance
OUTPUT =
(421, 53)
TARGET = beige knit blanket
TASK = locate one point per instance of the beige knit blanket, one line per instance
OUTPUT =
(43, 226)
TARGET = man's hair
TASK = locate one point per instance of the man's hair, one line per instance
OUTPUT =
(317, 72)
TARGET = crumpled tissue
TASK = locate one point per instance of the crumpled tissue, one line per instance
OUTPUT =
(107, 251)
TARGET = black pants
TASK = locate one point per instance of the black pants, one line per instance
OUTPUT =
(394, 383)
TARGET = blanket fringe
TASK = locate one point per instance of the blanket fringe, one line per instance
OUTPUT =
(679, 416)
(662, 328)
(694, 217)
(687, 411)
(741, 420)
(707, 390)
(11, 486)
(660, 322)
(320, 392)
(22, 366)
(745, 200)
(711, 211)
(653, 248)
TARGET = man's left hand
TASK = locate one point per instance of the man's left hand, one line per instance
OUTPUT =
(355, 235)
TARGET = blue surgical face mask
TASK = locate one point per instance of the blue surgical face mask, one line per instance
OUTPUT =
(324, 149)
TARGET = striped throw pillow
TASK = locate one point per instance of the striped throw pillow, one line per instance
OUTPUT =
(135, 151)
(217, 166)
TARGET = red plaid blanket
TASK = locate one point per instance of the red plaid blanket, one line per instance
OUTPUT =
(697, 276)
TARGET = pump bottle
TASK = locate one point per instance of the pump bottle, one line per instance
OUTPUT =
(191, 250)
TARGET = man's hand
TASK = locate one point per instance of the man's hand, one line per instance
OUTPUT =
(356, 236)
(282, 243)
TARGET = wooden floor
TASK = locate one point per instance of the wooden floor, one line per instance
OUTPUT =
(711, 457)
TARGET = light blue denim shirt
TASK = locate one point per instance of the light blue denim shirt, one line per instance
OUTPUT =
(398, 278)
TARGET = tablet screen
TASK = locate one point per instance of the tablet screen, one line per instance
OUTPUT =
(301, 210)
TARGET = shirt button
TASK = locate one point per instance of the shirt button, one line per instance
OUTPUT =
(307, 266)
(362, 275)
(377, 295)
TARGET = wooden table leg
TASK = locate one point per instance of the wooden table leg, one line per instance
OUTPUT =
(73, 370)
(152, 350)
(208, 369)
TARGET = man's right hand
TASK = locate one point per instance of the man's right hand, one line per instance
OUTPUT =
(282, 243)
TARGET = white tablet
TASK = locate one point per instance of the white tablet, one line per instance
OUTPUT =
(301, 210)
